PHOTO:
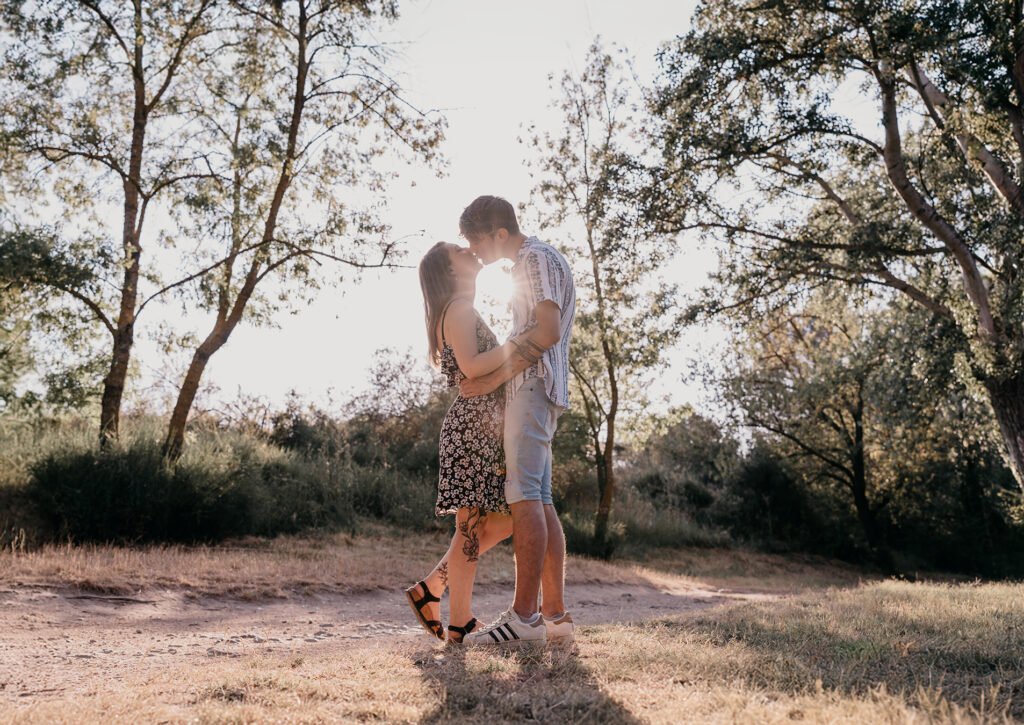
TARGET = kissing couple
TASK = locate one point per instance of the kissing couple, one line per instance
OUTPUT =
(495, 444)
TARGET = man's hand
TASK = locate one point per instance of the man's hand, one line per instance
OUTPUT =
(474, 387)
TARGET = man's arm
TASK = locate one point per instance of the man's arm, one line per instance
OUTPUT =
(542, 337)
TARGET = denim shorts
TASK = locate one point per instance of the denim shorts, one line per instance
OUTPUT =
(530, 422)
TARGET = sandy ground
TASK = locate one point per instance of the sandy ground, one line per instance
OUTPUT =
(58, 643)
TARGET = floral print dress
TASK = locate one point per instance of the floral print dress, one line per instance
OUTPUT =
(471, 452)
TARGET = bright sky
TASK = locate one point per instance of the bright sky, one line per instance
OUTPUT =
(485, 65)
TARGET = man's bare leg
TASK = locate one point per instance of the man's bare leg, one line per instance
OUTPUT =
(530, 540)
(553, 577)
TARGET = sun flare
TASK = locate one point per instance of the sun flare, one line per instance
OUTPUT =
(494, 297)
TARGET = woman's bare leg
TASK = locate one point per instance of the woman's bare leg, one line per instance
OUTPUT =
(462, 561)
(489, 530)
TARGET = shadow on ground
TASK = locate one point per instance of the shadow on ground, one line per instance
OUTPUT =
(545, 684)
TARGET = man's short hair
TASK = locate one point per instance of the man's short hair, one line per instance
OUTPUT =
(488, 214)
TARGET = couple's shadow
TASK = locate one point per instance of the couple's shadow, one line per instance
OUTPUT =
(528, 682)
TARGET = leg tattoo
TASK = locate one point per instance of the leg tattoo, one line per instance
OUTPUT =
(442, 571)
(471, 546)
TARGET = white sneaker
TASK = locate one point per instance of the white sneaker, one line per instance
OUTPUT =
(560, 627)
(509, 628)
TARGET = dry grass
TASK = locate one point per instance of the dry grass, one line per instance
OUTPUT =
(884, 652)
(380, 558)
(251, 568)
(753, 571)
(834, 651)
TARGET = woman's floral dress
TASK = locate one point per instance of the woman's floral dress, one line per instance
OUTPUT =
(471, 453)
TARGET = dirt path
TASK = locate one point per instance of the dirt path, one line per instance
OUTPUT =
(58, 643)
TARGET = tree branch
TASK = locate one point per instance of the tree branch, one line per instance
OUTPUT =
(809, 450)
(92, 305)
(896, 169)
(109, 23)
(63, 153)
(172, 66)
(197, 275)
(973, 149)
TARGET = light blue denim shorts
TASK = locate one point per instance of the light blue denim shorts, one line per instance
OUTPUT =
(530, 423)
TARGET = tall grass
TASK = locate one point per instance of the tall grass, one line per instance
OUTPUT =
(58, 485)
(637, 525)
(55, 484)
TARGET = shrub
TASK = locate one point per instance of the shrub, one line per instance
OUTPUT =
(646, 524)
(129, 494)
(396, 496)
(579, 535)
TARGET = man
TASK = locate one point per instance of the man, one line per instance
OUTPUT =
(543, 306)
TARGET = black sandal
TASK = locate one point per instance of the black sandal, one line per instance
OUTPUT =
(461, 631)
(431, 625)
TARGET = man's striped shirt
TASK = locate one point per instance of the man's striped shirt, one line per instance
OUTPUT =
(541, 273)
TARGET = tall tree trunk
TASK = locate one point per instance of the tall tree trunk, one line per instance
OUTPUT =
(175, 442)
(131, 232)
(225, 325)
(124, 334)
(605, 471)
(606, 460)
(859, 482)
(1007, 398)
(606, 480)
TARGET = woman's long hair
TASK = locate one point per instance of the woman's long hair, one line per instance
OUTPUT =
(437, 280)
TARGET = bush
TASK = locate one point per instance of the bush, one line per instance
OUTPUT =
(57, 485)
(765, 503)
(405, 441)
(129, 494)
(579, 535)
(401, 498)
(646, 524)
(636, 524)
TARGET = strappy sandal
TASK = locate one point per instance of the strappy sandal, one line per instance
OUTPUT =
(431, 625)
(461, 631)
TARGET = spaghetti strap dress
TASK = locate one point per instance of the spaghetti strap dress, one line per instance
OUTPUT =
(471, 450)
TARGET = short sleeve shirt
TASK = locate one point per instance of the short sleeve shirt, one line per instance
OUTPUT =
(541, 273)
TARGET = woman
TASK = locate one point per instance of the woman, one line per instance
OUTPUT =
(471, 483)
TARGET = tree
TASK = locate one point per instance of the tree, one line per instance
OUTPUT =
(951, 496)
(807, 377)
(686, 461)
(930, 206)
(15, 360)
(624, 320)
(48, 353)
(88, 108)
(298, 109)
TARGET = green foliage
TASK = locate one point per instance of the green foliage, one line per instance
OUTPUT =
(866, 440)
(580, 538)
(586, 188)
(400, 497)
(49, 357)
(130, 494)
(646, 526)
(396, 423)
(56, 484)
(764, 154)
(764, 503)
(15, 355)
(685, 464)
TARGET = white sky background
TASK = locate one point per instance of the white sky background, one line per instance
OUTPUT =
(485, 66)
